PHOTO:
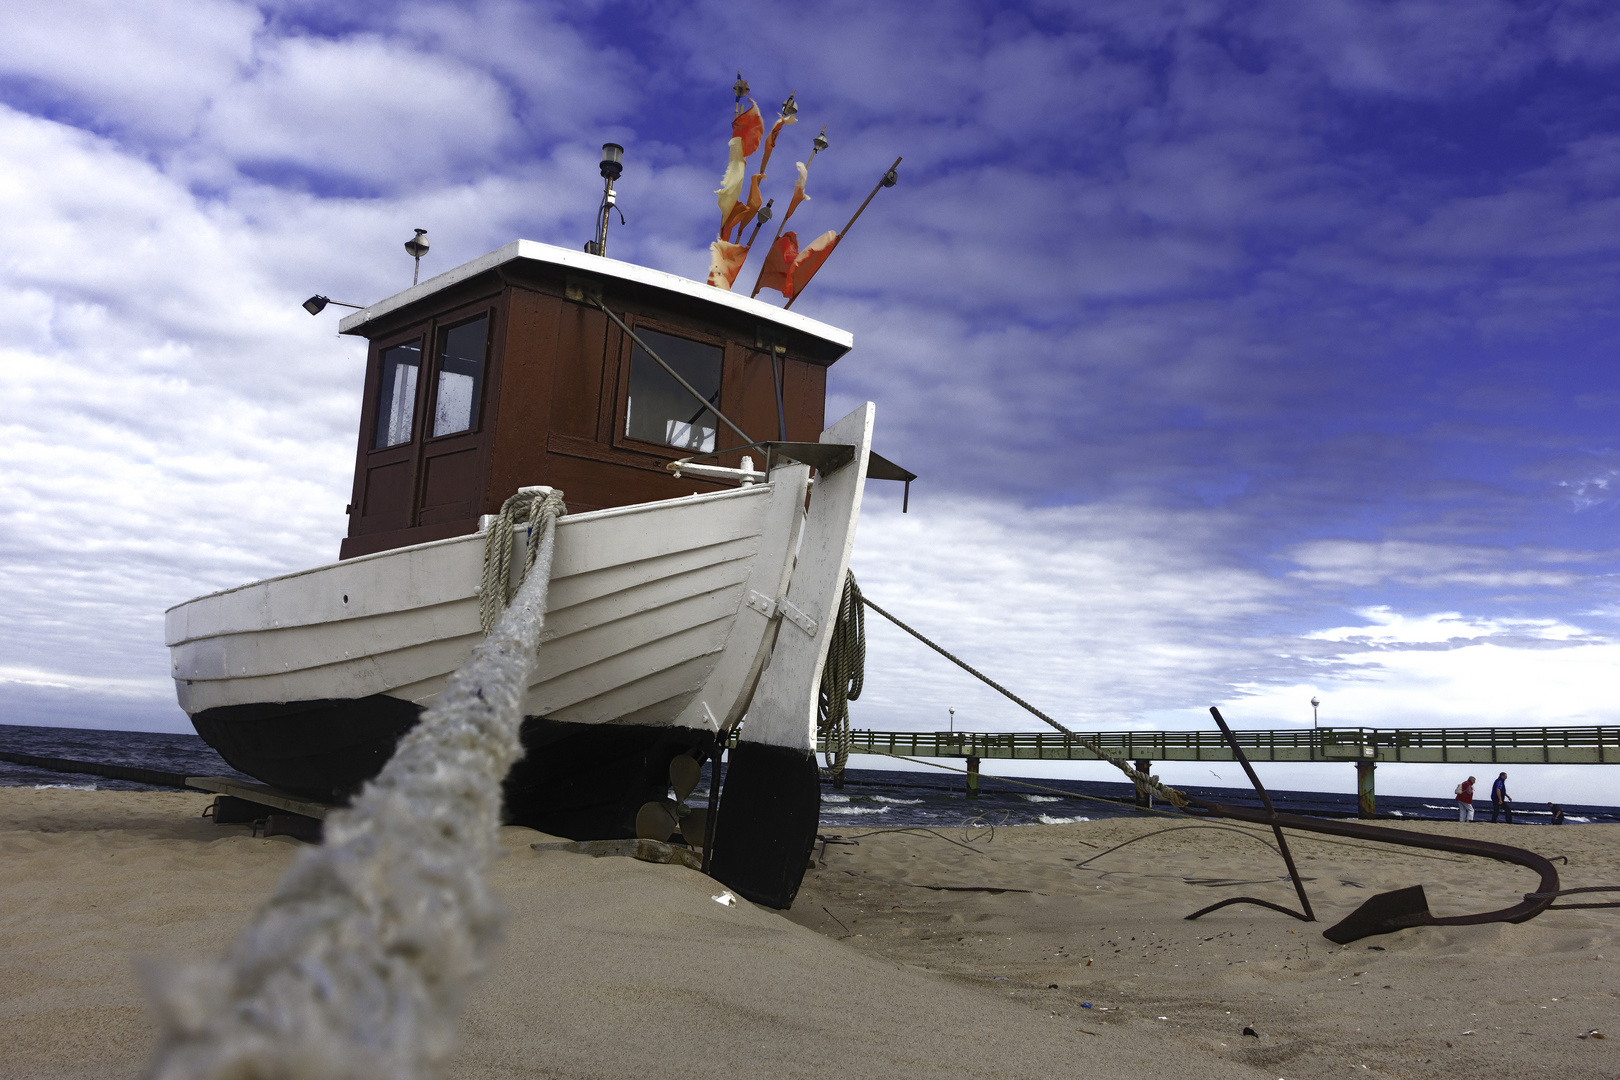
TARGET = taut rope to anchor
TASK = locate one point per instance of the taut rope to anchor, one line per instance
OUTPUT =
(1169, 794)
(356, 967)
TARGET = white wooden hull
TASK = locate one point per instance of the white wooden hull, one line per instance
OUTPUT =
(647, 621)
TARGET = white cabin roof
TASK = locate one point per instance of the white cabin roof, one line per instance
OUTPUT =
(604, 268)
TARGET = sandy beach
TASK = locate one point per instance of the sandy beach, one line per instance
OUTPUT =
(906, 954)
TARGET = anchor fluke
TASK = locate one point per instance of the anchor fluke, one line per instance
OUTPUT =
(1383, 914)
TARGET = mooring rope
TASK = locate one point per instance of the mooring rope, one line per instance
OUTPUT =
(1142, 780)
(356, 967)
(843, 677)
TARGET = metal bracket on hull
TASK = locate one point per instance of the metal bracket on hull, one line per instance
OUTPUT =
(784, 607)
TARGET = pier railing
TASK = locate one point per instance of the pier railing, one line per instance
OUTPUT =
(1585, 745)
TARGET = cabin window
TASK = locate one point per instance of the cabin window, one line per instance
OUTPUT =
(659, 409)
(461, 376)
(396, 395)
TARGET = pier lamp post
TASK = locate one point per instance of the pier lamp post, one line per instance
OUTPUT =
(953, 719)
(1315, 701)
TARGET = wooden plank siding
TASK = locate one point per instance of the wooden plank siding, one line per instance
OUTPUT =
(553, 403)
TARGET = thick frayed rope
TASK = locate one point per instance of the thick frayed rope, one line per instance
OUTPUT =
(356, 968)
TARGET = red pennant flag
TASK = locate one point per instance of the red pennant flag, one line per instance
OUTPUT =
(750, 128)
(777, 273)
(808, 261)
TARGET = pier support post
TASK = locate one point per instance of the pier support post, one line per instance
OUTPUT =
(838, 779)
(1365, 804)
(973, 778)
(1144, 797)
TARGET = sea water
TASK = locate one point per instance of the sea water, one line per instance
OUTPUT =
(870, 798)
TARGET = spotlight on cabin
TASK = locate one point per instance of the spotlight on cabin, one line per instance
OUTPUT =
(612, 161)
(317, 304)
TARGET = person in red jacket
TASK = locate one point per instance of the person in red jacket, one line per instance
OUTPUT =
(1465, 800)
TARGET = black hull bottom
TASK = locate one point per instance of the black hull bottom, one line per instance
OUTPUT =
(582, 781)
(770, 808)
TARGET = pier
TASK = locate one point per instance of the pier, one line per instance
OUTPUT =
(1364, 747)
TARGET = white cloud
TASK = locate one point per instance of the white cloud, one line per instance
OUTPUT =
(147, 67)
(377, 111)
(1374, 562)
(1389, 627)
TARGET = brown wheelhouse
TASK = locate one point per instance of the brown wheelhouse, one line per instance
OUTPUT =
(505, 373)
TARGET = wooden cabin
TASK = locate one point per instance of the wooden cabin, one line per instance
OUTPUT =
(504, 373)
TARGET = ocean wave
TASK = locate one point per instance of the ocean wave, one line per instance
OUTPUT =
(1042, 798)
(897, 802)
(835, 798)
(851, 811)
(1048, 819)
(64, 787)
(1581, 820)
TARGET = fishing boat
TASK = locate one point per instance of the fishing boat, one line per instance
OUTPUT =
(696, 580)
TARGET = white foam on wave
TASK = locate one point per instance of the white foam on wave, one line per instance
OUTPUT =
(1042, 798)
(835, 798)
(1048, 819)
(897, 802)
(1582, 820)
(851, 811)
(64, 787)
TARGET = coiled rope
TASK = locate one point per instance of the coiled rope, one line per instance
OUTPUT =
(528, 507)
(842, 678)
(356, 967)
(1142, 780)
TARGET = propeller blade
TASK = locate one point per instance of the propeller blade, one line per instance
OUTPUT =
(684, 774)
(654, 822)
(695, 825)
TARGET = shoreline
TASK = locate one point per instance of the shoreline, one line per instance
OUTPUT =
(906, 953)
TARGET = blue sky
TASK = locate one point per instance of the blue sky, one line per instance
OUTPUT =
(1247, 351)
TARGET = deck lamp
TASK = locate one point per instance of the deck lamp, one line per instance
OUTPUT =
(1315, 701)
(416, 247)
(317, 304)
(612, 168)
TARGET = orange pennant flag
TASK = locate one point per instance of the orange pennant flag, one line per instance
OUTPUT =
(798, 190)
(777, 273)
(731, 184)
(808, 261)
(743, 212)
(750, 128)
(724, 262)
(770, 142)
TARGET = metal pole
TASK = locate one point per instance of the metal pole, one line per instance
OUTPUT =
(707, 404)
(1271, 812)
(799, 287)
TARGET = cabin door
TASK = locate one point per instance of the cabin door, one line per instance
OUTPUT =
(424, 434)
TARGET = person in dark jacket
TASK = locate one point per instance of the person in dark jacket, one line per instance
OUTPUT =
(1557, 813)
(1500, 800)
